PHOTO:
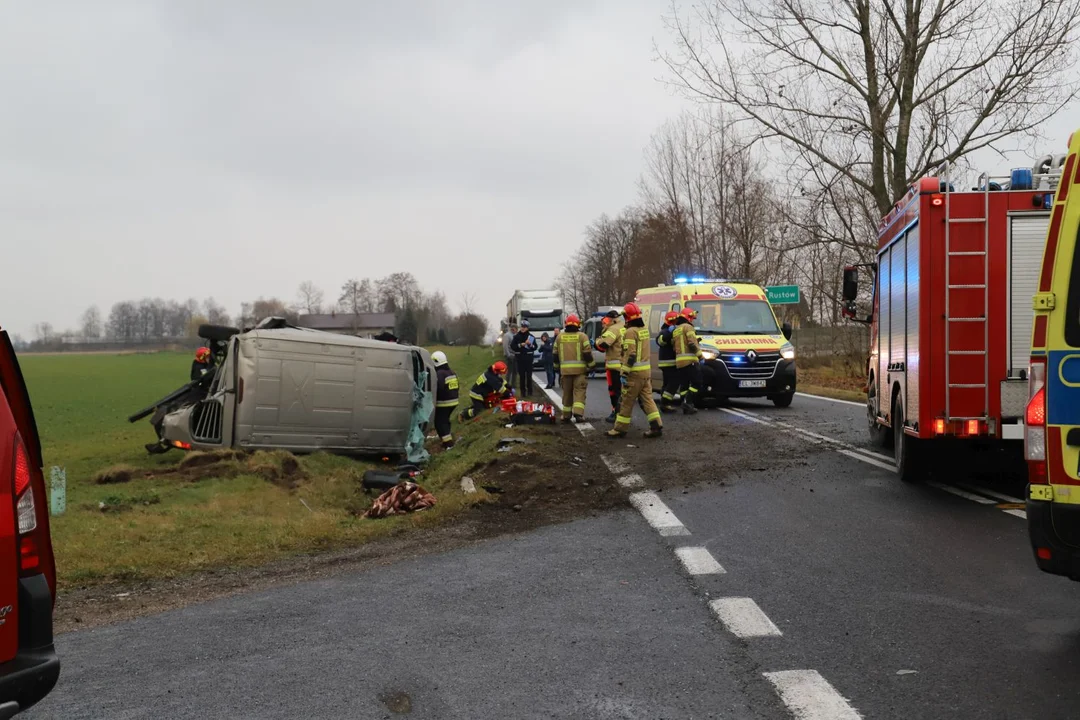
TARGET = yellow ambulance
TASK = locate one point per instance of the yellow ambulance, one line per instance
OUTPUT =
(1052, 415)
(745, 351)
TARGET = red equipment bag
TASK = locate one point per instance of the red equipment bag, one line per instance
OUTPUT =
(523, 412)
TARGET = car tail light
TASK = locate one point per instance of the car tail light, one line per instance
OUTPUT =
(1035, 422)
(25, 510)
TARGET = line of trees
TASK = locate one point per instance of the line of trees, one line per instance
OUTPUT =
(419, 317)
(812, 118)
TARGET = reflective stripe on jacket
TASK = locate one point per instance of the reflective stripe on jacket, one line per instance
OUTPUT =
(573, 353)
(488, 383)
(686, 344)
(612, 340)
(666, 356)
(446, 387)
(636, 343)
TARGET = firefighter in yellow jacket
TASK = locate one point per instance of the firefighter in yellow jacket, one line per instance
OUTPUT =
(610, 343)
(687, 353)
(637, 370)
(573, 358)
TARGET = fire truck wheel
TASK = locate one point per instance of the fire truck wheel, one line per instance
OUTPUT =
(879, 434)
(907, 451)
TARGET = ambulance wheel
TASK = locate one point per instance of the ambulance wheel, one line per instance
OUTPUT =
(784, 399)
(908, 452)
(879, 434)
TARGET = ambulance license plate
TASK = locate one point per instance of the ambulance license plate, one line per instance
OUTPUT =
(751, 383)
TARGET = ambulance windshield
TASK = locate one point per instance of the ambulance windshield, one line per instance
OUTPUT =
(734, 317)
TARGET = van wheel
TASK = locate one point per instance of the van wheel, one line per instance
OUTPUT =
(783, 400)
(220, 333)
(879, 434)
(908, 452)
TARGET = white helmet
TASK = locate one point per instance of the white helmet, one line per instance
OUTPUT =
(438, 358)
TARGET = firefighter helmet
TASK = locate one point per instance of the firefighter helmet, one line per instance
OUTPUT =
(689, 313)
(202, 354)
(671, 316)
(438, 358)
(573, 319)
(631, 311)
(499, 368)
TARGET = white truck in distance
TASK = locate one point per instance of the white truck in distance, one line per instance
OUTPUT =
(542, 308)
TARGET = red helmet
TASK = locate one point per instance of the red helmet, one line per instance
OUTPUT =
(671, 316)
(689, 313)
(202, 354)
(499, 368)
(573, 319)
(631, 311)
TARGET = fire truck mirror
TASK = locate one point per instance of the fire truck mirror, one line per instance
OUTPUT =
(851, 283)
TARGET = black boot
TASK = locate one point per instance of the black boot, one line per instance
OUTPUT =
(655, 430)
(689, 409)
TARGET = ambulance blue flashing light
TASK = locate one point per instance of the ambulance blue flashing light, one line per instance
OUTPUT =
(736, 359)
(697, 279)
(681, 280)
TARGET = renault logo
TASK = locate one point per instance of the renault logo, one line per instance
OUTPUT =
(751, 356)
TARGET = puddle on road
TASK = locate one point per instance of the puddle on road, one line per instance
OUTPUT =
(397, 702)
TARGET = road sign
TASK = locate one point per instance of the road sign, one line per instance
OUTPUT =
(783, 294)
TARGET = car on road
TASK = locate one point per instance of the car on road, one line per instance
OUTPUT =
(29, 666)
(1052, 415)
(745, 351)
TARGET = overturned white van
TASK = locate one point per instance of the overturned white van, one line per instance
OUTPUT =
(305, 390)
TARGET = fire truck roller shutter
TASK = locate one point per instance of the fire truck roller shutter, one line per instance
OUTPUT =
(898, 318)
(911, 374)
(884, 393)
(1027, 235)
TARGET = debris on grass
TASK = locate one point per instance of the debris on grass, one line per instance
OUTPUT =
(400, 499)
(116, 474)
(467, 485)
(200, 458)
(516, 441)
(118, 503)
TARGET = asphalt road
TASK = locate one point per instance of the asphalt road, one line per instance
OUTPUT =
(792, 576)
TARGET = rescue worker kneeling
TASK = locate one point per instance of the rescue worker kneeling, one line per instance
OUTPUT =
(488, 389)
(666, 362)
(610, 343)
(446, 397)
(637, 370)
(573, 359)
(687, 352)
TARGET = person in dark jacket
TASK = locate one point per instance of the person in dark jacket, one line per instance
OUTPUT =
(446, 397)
(666, 358)
(202, 364)
(523, 346)
(547, 348)
(488, 389)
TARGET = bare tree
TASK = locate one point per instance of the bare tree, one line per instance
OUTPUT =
(44, 332)
(91, 324)
(880, 92)
(357, 296)
(310, 298)
(215, 314)
(123, 321)
(397, 291)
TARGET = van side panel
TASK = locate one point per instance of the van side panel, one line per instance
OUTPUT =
(303, 396)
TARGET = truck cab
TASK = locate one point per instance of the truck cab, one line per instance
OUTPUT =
(1052, 414)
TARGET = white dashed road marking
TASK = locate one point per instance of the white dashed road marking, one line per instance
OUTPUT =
(809, 696)
(743, 618)
(616, 464)
(699, 561)
(867, 460)
(630, 480)
(657, 514)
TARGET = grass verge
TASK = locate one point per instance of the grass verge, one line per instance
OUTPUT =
(135, 517)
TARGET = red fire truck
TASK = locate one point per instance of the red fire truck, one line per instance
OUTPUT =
(952, 311)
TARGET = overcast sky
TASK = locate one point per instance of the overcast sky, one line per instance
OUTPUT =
(190, 149)
(196, 148)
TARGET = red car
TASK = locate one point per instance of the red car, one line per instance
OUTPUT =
(29, 666)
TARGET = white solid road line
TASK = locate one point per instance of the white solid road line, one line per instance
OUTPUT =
(699, 561)
(746, 416)
(868, 460)
(542, 384)
(616, 464)
(829, 399)
(657, 514)
(961, 493)
(743, 618)
(630, 480)
(990, 493)
(809, 696)
(1017, 513)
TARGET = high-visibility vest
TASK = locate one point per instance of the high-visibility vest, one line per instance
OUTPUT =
(636, 343)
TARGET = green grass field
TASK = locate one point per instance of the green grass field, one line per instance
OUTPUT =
(165, 525)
